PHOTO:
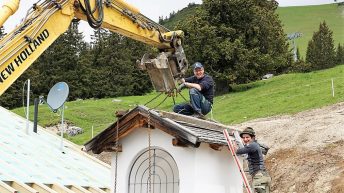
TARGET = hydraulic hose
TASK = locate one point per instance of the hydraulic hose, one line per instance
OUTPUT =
(91, 19)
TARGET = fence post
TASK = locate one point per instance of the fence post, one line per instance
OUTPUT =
(92, 131)
(332, 87)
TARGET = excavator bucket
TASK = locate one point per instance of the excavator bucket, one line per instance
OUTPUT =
(163, 71)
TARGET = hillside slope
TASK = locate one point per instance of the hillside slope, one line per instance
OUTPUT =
(280, 95)
(307, 153)
(306, 19)
(181, 15)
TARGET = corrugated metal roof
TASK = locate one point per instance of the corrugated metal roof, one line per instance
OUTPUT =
(37, 157)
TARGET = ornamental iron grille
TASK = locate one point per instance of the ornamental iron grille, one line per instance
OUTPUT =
(164, 170)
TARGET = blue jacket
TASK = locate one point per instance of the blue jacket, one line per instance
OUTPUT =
(207, 85)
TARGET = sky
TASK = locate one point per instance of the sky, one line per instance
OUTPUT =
(150, 8)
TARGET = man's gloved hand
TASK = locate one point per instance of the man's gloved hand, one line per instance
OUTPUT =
(180, 87)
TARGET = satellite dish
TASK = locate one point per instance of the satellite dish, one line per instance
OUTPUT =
(58, 95)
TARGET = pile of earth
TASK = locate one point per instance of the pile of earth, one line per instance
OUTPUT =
(307, 150)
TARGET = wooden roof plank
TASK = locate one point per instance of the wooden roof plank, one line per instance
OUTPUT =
(125, 130)
(184, 132)
(21, 187)
(59, 188)
(195, 121)
(5, 188)
(77, 189)
(107, 190)
(41, 188)
(109, 133)
(94, 189)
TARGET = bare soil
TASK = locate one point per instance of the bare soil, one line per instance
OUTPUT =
(307, 150)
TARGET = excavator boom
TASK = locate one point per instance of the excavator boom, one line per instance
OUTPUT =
(47, 20)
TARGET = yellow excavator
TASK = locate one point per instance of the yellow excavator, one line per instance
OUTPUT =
(46, 20)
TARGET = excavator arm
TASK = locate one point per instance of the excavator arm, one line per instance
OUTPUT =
(48, 19)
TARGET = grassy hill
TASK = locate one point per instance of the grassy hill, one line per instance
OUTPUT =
(306, 19)
(285, 94)
(180, 16)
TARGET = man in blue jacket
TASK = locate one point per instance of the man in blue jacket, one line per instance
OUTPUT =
(260, 178)
(201, 90)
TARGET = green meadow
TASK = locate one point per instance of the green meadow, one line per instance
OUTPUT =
(285, 94)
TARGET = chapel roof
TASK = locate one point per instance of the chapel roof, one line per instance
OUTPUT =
(187, 130)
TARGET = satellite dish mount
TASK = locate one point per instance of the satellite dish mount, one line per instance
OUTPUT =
(57, 96)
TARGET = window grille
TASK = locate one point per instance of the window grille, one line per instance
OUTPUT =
(165, 175)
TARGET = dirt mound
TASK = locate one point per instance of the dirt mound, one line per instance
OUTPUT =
(302, 170)
(307, 153)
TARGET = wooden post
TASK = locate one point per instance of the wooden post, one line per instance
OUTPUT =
(92, 131)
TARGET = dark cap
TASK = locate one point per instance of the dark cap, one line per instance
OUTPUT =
(249, 131)
(197, 65)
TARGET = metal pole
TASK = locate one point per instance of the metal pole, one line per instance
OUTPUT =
(28, 107)
(35, 117)
(62, 127)
(332, 87)
(294, 49)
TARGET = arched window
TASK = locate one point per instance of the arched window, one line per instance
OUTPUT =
(164, 170)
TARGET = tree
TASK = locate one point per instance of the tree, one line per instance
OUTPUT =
(238, 41)
(298, 56)
(192, 4)
(113, 69)
(15, 95)
(161, 19)
(340, 54)
(300, 65)
(320, 51)
(60, 62)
